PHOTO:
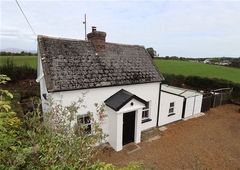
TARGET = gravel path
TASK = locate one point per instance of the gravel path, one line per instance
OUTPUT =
(211, 141)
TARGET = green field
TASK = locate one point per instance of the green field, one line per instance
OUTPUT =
(188, 68)
(30, 61)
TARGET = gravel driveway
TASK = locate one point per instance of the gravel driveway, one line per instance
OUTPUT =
(211, 141)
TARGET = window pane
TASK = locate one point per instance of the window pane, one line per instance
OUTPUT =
(80, 120)
(171, 110)
(172, 104)
(88, 128)
(86, 121)
(145, 114)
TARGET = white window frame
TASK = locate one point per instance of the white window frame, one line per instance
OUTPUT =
(146, 110)
(171, 109)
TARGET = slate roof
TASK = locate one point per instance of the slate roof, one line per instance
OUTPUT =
(70, 64)
(119, 99)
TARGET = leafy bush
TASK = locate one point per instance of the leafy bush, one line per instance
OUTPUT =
(174, 80)
(25, 72)
(52, 144)
(10, 131)
(55, 143)
(8, 69)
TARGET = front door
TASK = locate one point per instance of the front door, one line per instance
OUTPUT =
(128, 127)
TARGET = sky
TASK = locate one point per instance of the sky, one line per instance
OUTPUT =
(183, 28)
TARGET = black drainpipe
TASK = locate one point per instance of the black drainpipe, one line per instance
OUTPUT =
(184, 107)
(159, 98)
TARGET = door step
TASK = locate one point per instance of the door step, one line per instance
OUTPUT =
(131, 147)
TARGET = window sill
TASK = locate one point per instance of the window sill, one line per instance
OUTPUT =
(171, 114)
(146, 120)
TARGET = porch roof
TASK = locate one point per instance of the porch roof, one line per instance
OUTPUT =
(119, 99)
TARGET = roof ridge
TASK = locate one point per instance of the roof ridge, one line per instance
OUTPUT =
(62, 38)
(124, 44)
(74, 39)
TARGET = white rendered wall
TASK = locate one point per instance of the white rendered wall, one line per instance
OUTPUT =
(148, 92)
(165, 101)
(113, 132)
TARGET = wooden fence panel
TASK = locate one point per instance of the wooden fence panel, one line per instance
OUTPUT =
(206, 103)
(225, 97)
(212, 100)
(216, 100)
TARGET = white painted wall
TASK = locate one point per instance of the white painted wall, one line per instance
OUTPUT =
(148, 92)
(129, 108)
(113, 129)
(166, 99)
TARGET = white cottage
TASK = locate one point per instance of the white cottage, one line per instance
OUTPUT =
(123, 77)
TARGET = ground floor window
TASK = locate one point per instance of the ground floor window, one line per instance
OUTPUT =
(171, 109)
(85, 120)
(146, 113)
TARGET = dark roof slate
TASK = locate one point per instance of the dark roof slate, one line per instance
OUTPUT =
(70, 64)
(119, 99)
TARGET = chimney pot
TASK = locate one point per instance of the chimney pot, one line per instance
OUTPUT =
(94, 28)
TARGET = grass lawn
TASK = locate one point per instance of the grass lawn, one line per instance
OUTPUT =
(20, 60)
(187, 68)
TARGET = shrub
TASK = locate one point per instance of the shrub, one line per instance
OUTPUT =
(174, 80)
(10, 131)
(16, 73)
(57, 144)
(8, 69)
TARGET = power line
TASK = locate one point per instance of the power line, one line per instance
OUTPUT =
(25, 17)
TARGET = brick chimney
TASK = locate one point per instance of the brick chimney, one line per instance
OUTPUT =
(97, 38)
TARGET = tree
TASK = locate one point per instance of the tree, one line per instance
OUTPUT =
(167, 57)
(23, 53)
(151, 52)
